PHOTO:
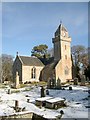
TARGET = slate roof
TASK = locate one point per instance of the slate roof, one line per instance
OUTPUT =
(31, 61)
(48, 70)
(60, 28)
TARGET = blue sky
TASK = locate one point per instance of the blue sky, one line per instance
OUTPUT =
(27, 24)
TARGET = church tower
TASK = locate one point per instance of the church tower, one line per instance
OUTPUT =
(62, 53)
(62, 42)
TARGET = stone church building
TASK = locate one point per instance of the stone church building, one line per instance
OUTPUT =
(28, 68)
(59, 69)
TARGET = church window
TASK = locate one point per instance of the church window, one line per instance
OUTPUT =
(33, 72)
(66, 70)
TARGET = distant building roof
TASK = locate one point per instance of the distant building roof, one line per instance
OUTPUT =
(31, 61)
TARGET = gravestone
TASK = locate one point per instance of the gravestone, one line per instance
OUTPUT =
(28, 100)
(17, 85)
(58, 84)
(75, 81)
(70, 88)
(42, 91)
(16, 104)
(83, 80)
(9, 91)
(47, 92)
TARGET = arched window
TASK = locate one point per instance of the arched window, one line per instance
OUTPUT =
(33, 73)
(66, 70)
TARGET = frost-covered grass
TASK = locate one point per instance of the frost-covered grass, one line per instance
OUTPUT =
(2, 86)
(41, 83)
(76, 101)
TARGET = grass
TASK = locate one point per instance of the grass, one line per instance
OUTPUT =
(2, 86)
(27, 89)
(15, 91)
(41, 83)
(23, 85)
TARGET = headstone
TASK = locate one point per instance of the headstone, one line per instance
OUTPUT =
(58, 83)
(47, 92)
(28, 100)
(42, 92)
(70, 88)
(62, 112)
(9, 91)
(16, 104)
(83, 80)
(17, 85)
(75, 81)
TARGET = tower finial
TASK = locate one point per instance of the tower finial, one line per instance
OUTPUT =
(60, 21)
(17, 53)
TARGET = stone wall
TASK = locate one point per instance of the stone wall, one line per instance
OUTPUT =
(16, 116)
(17, 67)
(26, 73)
(26, 116)
(60, 71)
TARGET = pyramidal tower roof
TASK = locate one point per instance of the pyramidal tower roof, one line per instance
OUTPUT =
(60, 28)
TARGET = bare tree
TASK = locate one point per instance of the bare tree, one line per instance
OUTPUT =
(79, 54)
(80, 58)
(6, 71)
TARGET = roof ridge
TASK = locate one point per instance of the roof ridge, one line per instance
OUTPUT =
(20, 59)
(28, 56)
(31, 60)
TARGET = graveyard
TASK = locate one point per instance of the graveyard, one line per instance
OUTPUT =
(29, 99)
(52, 89)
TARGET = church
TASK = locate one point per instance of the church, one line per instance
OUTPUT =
(32, 69)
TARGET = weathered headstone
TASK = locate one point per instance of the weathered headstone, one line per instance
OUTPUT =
(9, 91)
(16, 104)
(70, 88)
(28, 100)
(47, 92)
(75, 81)
(42, 91)
(58, 84)
(17, 85)
(83, 80)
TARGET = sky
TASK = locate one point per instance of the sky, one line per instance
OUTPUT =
(27, 24)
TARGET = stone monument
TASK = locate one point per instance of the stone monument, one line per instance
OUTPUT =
(42, 91)
(75, 81)
(83, 80)
(17, 85)
(58, 86)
